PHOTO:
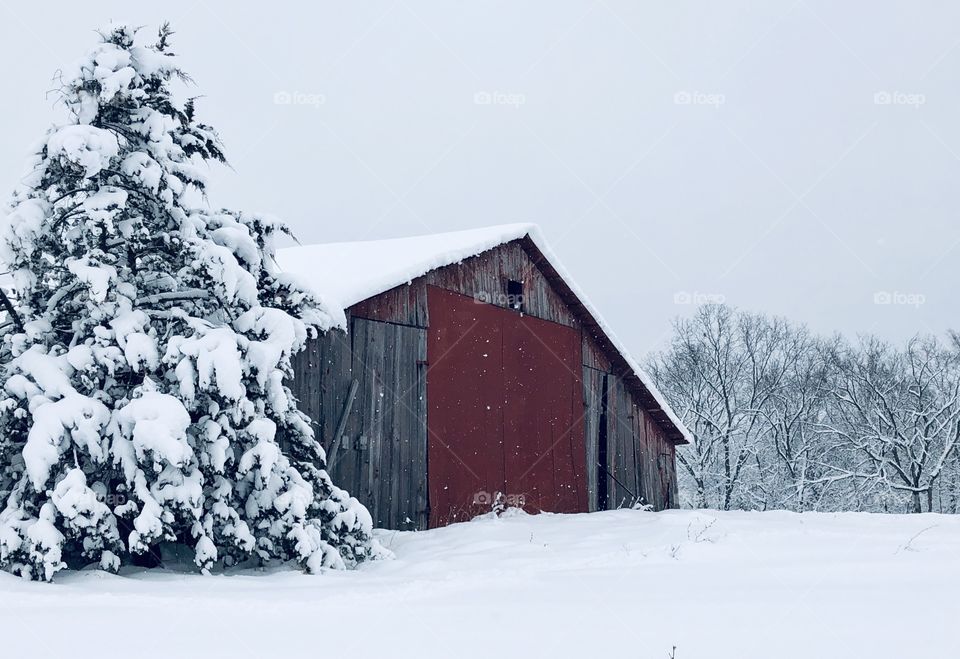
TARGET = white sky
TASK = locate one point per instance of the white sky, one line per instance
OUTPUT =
(783, 185)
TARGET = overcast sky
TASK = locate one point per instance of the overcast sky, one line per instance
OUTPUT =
(799, 158)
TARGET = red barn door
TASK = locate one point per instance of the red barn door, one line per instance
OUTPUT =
(505, 411)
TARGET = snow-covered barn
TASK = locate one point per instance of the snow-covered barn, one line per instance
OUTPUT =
(473, 368)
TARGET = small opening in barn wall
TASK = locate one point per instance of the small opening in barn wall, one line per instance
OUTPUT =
(515, 294)
(603, 502)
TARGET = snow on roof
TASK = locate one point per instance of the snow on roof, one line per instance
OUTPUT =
(343, 274)
(347, 273)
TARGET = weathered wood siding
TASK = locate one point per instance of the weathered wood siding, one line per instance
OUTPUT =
(483, 277)
(385, 460)
(593, 356)
(405, 304)
(323, 372)
(640, 457)
(382, 455)
(593, 383)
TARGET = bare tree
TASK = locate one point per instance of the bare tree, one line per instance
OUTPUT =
(900, 413)
(720, 370)
(786, 419)
(792, 449)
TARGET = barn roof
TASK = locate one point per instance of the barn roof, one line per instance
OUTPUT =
(343, 274)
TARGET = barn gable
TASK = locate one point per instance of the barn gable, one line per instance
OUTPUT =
(366, 389)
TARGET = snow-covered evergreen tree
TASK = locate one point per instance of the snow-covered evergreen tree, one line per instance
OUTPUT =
(143, 394)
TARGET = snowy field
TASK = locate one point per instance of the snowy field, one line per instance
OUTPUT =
(622, 584)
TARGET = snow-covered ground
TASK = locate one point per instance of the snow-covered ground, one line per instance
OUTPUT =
(623, 584)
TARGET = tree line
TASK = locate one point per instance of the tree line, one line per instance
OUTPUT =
(786, 419)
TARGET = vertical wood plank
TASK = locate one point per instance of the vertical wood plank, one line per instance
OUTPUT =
(420, 465)
(591, 419)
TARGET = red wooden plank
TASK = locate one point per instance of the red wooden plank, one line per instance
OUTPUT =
(543, 430)
(464, 395)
